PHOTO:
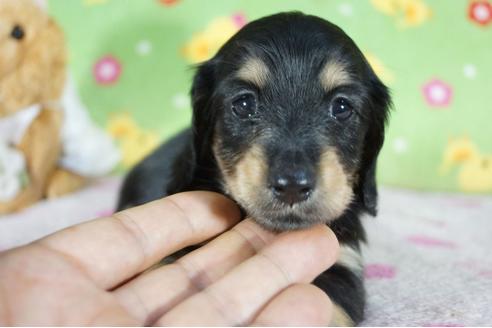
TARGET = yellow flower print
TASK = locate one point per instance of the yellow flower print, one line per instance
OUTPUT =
(415, 13)
(122, 126)
(475, 173)
(198, 49)
(388, 7)
(135, 148)
(458, 151)
(206, 43)
(94, 2)
(134, 142)
(408, 13)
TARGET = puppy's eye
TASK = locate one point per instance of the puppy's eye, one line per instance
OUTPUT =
(17, 32)
(244, 106)
(341, 109)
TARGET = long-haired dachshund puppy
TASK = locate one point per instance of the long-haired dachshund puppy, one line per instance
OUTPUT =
(288, 120)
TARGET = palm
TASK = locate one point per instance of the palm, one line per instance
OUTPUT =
(95, 273)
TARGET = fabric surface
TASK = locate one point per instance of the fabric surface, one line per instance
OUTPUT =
(133, 63)
(427, 261)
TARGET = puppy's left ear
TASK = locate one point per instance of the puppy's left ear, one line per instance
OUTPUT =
(380, 102)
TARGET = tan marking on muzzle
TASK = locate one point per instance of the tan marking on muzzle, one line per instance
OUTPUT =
(255, 71)
(334, 74)
(248, 175)
(335, 184)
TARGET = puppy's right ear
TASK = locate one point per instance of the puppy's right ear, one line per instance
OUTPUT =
(203, 113)
(191, 169)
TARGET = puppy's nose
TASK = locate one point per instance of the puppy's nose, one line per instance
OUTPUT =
(292, 188)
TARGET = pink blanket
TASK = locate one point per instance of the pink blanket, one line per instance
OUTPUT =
(427, 261)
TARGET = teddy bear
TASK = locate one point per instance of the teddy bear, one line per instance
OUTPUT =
(48, 144)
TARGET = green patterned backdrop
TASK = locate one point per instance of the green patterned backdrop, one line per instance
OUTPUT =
(133, 62)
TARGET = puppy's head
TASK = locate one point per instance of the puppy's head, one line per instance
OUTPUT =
(293, 116)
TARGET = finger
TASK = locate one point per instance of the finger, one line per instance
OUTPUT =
(155, 292)
(297, 305)
(235, 299)
(113, 249)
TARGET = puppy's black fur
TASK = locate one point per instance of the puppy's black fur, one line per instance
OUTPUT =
(288, 120)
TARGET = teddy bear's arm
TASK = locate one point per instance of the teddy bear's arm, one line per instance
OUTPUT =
(41, 147)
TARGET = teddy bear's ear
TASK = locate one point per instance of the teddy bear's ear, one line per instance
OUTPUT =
(53, 43)
(41, 76)
(45, 62)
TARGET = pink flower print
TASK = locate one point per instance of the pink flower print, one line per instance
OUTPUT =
(437, 93)
(466, 203)
(480, 12)
(168, 2)
(239, 19)
(426, 241)
(485, 274)
(107, 70)
(379, 271)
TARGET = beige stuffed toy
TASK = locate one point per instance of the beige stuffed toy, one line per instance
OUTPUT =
(33, 81)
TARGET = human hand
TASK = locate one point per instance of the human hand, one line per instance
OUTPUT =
(96, 273)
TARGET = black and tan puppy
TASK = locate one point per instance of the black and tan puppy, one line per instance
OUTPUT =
(288, 120)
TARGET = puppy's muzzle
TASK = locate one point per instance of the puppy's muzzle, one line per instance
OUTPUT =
(291, 180)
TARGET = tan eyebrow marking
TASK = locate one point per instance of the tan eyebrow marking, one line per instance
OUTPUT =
(254, 71)
(333, 75)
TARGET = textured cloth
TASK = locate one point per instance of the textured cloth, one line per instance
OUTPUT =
(49, 216)
(427, 260)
